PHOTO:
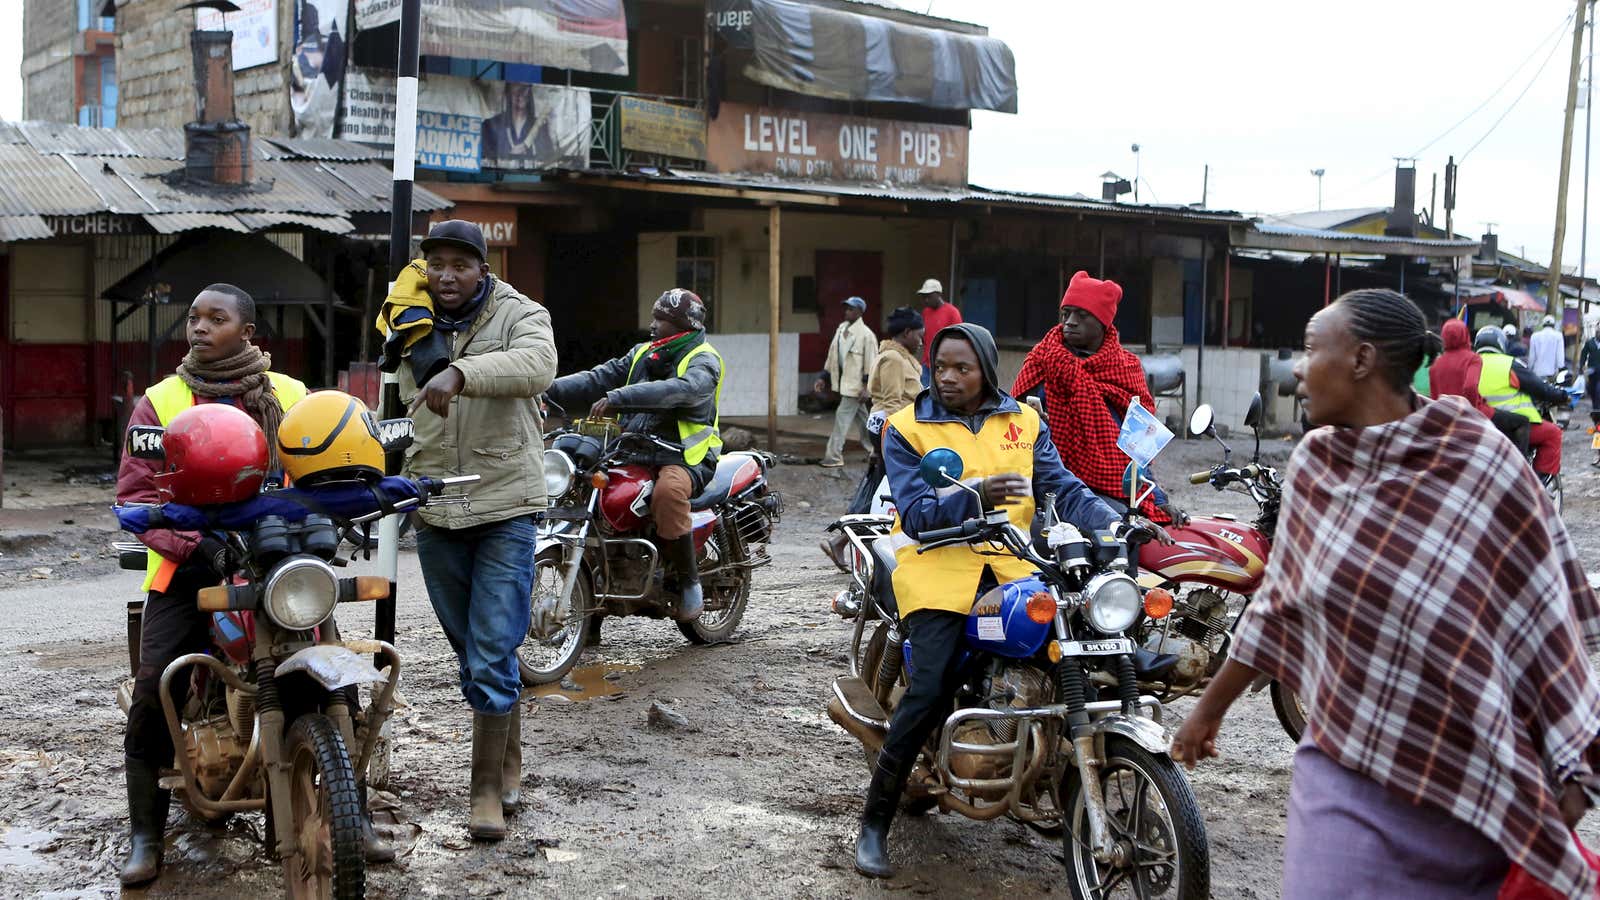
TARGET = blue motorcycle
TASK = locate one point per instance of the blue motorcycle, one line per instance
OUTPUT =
(1048, 727)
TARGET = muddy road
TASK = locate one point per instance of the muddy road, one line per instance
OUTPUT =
(756, 796)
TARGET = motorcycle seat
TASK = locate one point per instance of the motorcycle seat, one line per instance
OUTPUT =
(721, 483)
(883, 565)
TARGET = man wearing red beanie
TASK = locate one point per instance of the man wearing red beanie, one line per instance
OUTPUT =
(1086, 380)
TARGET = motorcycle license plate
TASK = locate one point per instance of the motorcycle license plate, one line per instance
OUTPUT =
(1109, 647)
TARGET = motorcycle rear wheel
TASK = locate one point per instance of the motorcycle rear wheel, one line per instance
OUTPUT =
(1291, 713)
(326, 801)
(1553, 490)
(547, 656)
(1149, 808)
(717, 625)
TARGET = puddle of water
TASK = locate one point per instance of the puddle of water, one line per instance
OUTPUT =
(19, 847)
(585, 683)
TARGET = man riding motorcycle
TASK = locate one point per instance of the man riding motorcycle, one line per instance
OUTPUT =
(670, 387)
(1011, 463)
(1086, 381)
(1506, 384)
(222, 366)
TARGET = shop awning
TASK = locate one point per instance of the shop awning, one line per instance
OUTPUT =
(853, 56)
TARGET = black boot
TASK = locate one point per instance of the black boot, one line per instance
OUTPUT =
(147, 820)
(679, 555)
(883, 798)
(373, 846)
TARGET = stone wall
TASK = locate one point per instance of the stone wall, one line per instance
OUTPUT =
(155, 71)
(49, 91)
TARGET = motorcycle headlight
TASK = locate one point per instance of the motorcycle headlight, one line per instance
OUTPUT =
(558, 472)
(1113, 602)
(300, 593)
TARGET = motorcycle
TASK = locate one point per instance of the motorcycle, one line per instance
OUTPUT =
(1561, 416)
(594, 555)
(1036, 734)
(274, 717)
(1212, 559)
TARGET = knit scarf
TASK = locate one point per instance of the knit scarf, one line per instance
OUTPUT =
(243, 376)
(1086, 399)
(663, 355)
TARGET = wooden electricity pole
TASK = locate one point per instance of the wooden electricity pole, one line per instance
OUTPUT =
(774, 307)
(1553, 302)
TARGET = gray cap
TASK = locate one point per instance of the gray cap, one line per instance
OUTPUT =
(457, 233)
(856, 303)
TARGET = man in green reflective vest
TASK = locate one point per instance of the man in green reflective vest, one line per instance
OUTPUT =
(1511, 388)
(669, 387)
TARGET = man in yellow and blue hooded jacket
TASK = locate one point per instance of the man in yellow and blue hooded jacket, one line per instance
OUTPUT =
(1009, 461)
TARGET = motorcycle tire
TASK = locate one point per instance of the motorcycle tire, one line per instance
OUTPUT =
(1175, 827)
(716, 626)
(1553, 490)
(1291, 713)
(546, 668)
(326, 801)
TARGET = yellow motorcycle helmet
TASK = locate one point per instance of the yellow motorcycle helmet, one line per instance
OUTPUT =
(329, 436)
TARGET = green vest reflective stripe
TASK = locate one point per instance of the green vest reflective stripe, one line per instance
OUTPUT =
(1495, 386)
(698, 438)
(171, 396)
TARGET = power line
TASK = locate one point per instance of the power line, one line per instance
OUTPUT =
(1514, 103)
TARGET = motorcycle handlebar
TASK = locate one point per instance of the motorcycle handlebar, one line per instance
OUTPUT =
(1200, 478)
(966, 529)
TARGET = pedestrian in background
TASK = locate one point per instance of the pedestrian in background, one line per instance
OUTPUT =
(1427, 604)
(850, 356)
(1547, 350)
(936, 316)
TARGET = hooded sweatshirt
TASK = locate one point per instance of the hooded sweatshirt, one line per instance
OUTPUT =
(1457, 369)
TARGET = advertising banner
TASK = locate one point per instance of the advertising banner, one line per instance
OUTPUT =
(464, 125)
(316, 65)
(662, 128)
(825, 147)
(587, 35)
(254, 27)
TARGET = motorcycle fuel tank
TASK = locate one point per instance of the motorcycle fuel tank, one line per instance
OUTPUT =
(1209, 550)
(999, 623)
(625, 500)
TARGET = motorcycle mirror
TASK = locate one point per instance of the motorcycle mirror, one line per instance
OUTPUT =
(941, 467)
(396, 434)
(144, 442)
(1252, 417)
(1202, 419)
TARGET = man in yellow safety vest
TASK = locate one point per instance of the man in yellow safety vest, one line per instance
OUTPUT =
(670, 387)
(1511, 388)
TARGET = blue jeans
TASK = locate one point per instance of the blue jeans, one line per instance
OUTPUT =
(480, 580)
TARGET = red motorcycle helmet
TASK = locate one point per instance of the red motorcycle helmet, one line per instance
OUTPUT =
(215, 453)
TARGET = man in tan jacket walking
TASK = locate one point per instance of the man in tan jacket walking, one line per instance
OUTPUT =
(850, 357)
(476, 415)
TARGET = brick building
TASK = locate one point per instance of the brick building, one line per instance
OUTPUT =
(68, 62)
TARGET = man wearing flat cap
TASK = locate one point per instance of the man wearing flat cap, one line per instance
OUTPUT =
(470, 383)
(850, 357)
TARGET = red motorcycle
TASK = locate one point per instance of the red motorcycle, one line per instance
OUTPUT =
(594, 554)
(1212, 559)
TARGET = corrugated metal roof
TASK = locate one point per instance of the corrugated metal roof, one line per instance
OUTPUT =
(156, 143)
(24, 228)
(262, 221)
(1278, 236)
(70, 140)
(172, 223)
(31, 184)
(322, 149)
(10, 133)
(376, 183)
(1328, 218)
(102, 176)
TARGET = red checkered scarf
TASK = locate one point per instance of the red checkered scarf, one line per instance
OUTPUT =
(1081, 395)
(1426, 603)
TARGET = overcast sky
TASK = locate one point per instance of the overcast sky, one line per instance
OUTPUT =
(1264, 92)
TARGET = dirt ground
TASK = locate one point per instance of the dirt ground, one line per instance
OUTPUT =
(757, 796)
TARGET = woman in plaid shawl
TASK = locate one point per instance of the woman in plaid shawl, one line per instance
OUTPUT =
(1425, 601)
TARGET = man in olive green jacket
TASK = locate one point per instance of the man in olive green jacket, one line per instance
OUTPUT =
(477, 416)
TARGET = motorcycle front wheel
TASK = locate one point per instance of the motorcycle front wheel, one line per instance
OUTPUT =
(325, 799)
(1154, 819)
(1291, 712)
(554, 641)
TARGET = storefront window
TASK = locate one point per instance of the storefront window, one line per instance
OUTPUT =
(697, 270)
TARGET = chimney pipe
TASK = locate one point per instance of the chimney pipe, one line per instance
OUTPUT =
(1403, 216)
(216, 144)
(1490, 248)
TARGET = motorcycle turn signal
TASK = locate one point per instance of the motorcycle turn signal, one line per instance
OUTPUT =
(1158, 603)
(1042, 608)
(599, 480)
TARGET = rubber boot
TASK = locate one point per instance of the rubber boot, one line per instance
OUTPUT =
(680, 557)
(883, 798)
(487, 821)
(147, 820)
(373, 846)
(511, 771)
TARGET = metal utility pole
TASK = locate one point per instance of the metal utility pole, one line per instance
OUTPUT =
(1588, 119)
(405, 154)
(1136, 173)
(1319, 173)
(1553, 302)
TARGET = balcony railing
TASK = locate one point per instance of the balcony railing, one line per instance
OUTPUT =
(605, 134)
